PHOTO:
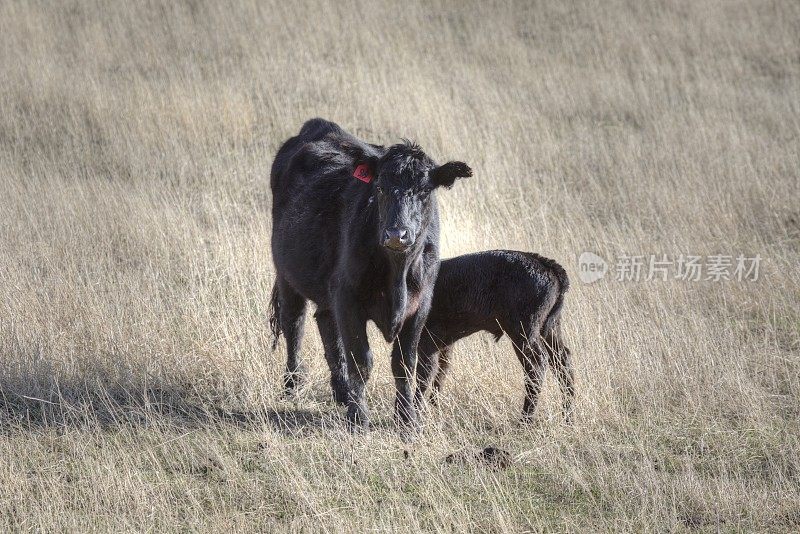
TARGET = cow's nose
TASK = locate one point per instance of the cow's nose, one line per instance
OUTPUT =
(396, 239)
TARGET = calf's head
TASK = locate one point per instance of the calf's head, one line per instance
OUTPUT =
(405, 178)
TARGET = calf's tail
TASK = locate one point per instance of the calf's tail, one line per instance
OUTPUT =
(555, 312)
(552, 318)
(275, 316)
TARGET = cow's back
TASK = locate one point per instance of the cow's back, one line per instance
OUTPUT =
(313, 197)
(282, 175)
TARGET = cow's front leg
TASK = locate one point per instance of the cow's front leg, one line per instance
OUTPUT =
(352, 323)
(334, 354)
(404, 360)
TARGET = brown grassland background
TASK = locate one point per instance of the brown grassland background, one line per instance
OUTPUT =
(137, 386)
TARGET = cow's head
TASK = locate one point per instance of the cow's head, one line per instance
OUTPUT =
(405, 177)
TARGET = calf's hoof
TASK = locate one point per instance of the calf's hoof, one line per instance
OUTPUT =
(528, 418)
(568, 411)
(491, 456)
(419, 402)
(292, 381)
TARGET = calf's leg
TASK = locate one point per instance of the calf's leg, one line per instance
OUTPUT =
(561, 362)
(426, 365)
(334, 354)
(441, 374)
(292, 319)
(533, 357)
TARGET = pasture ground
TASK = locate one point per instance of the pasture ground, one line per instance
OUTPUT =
(137, 388)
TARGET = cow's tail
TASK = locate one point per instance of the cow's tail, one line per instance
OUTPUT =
(275, 316)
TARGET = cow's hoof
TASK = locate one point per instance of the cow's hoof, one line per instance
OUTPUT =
(340, 397)
(357, 418)
(405, 414)
(341, 394)
(408, 424)
(410, 433)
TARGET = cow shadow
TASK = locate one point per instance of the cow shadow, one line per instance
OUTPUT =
(159, 407)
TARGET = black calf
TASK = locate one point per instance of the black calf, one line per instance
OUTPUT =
(500, 291)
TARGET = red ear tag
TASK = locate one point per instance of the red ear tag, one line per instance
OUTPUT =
(362, 173)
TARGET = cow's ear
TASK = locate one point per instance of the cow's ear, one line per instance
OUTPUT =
(364, 168)
(446, 175)
(361, 159)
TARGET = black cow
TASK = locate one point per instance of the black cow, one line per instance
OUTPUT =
(499, 291)
(355, 229)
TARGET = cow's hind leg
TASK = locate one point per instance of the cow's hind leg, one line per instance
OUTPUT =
(334, 354)
(561, 362)
(533, 357)
(292, 318)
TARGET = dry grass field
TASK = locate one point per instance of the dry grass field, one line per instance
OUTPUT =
(138, 391)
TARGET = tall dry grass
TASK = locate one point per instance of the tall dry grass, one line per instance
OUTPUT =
(137, 389)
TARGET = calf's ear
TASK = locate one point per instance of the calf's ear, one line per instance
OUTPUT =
(446, 175)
